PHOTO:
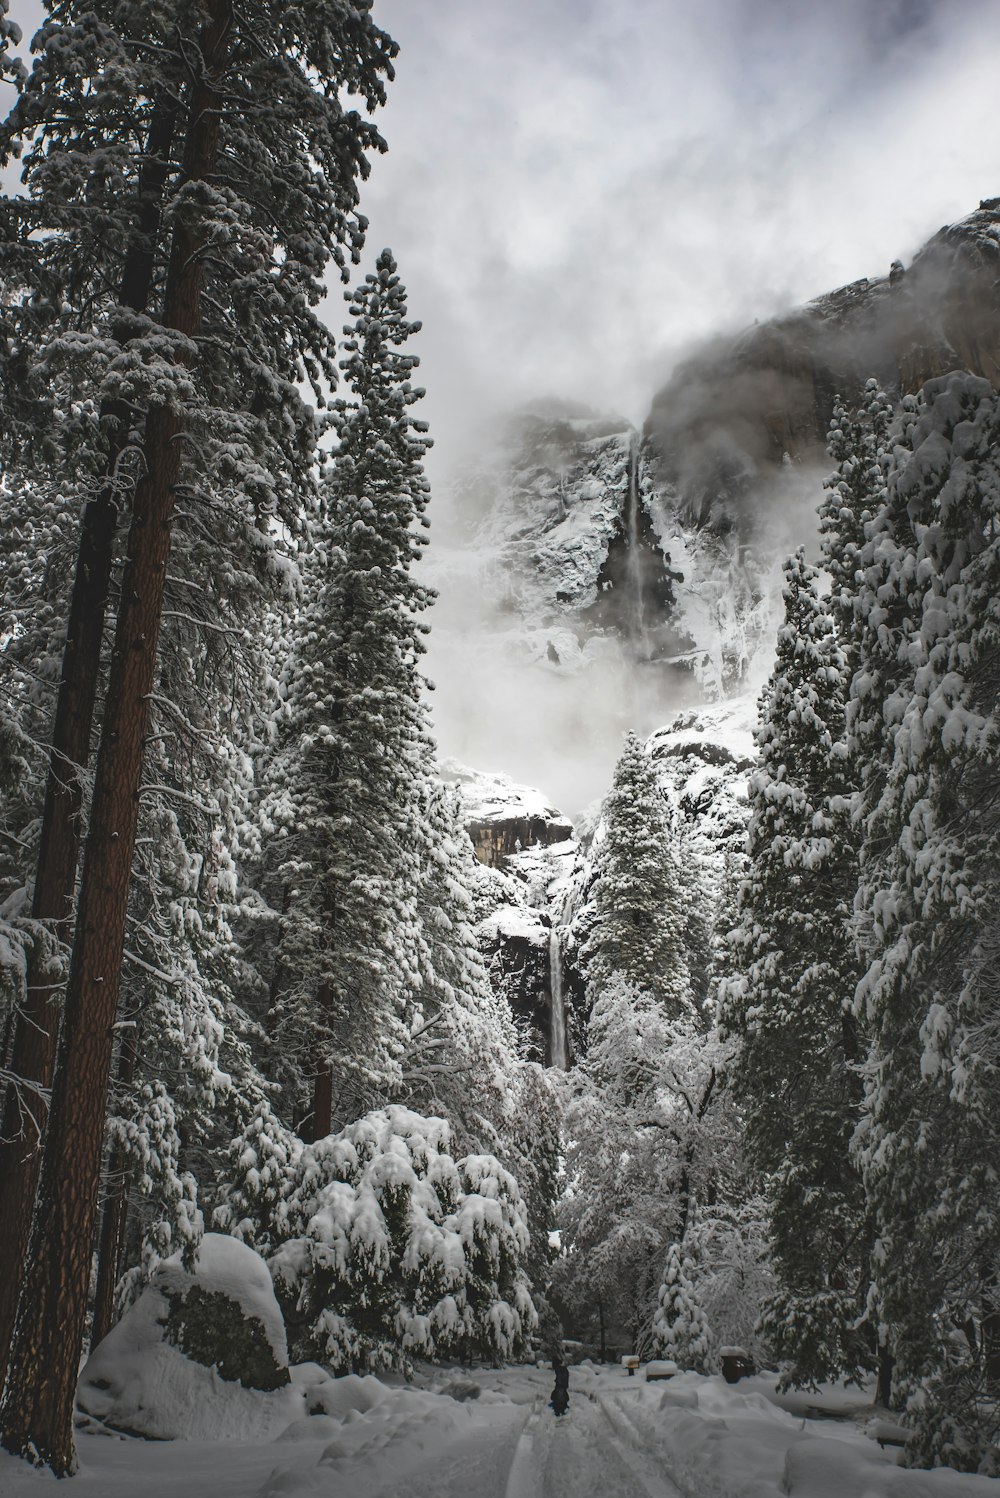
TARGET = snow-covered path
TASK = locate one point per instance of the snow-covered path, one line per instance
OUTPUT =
(491, 1434)
(595, 1448)
(524, 1452)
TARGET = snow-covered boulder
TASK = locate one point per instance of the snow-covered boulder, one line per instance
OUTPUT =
(201, 1354)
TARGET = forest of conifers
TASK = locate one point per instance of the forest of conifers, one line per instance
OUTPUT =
(240, 980)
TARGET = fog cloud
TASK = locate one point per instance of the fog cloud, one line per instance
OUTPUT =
(575, 191)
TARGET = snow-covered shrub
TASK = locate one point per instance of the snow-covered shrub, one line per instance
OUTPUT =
(395, 1249)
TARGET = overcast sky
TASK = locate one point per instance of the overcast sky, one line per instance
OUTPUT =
(577, 191)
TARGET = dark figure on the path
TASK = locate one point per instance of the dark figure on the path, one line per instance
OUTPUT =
(560, 1394)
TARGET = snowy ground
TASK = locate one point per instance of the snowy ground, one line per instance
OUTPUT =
(691, 1437)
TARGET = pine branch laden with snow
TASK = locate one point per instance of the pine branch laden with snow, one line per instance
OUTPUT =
(258, 1174)
(393, 1249)
(925, 725)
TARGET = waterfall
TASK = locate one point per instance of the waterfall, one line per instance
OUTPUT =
(634, 568)
(557, 1005)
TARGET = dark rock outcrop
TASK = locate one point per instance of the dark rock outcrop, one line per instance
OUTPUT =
(499, 839)
(742, 404)
(503, 818)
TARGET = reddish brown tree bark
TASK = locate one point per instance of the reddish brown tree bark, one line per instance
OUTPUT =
(36, 1418)
(34, 1043)
(115, 1214)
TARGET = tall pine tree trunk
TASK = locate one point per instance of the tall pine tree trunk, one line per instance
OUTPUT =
(115, 1213)
(34, 1042)
(883, 1383)
(322, 1100)
(37, 1413)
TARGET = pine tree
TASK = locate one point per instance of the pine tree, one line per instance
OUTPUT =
(926, 714)
(102, 221)
(680, 1326)
(790, 1004)
(261, 198)
(460, 1053)
(342, 805)
(636, 915)
(858, 442)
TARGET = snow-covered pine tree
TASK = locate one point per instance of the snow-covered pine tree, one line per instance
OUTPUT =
(460, 1052)
(680, 1327)
(39, 546)
(259, 198)
(928, 901)
(789, 1003)
(341, 808)
(636, 917)
(257, 1176)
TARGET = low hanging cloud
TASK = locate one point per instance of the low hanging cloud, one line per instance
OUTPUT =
(580, 193)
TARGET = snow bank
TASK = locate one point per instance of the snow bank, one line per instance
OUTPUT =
(744, 1440)
(377, 1447)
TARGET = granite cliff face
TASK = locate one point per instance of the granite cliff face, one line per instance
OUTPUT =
(503, 818)
(744, 403)
(527, 855)
(663, 550)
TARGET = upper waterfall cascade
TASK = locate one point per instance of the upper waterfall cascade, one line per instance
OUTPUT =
(634, 560)
(558, 1046)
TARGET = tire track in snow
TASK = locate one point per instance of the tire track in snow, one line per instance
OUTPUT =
(522, 1479)
(658, 1483)
(584, 1452)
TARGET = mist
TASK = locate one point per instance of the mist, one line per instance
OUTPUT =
(580, 195)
